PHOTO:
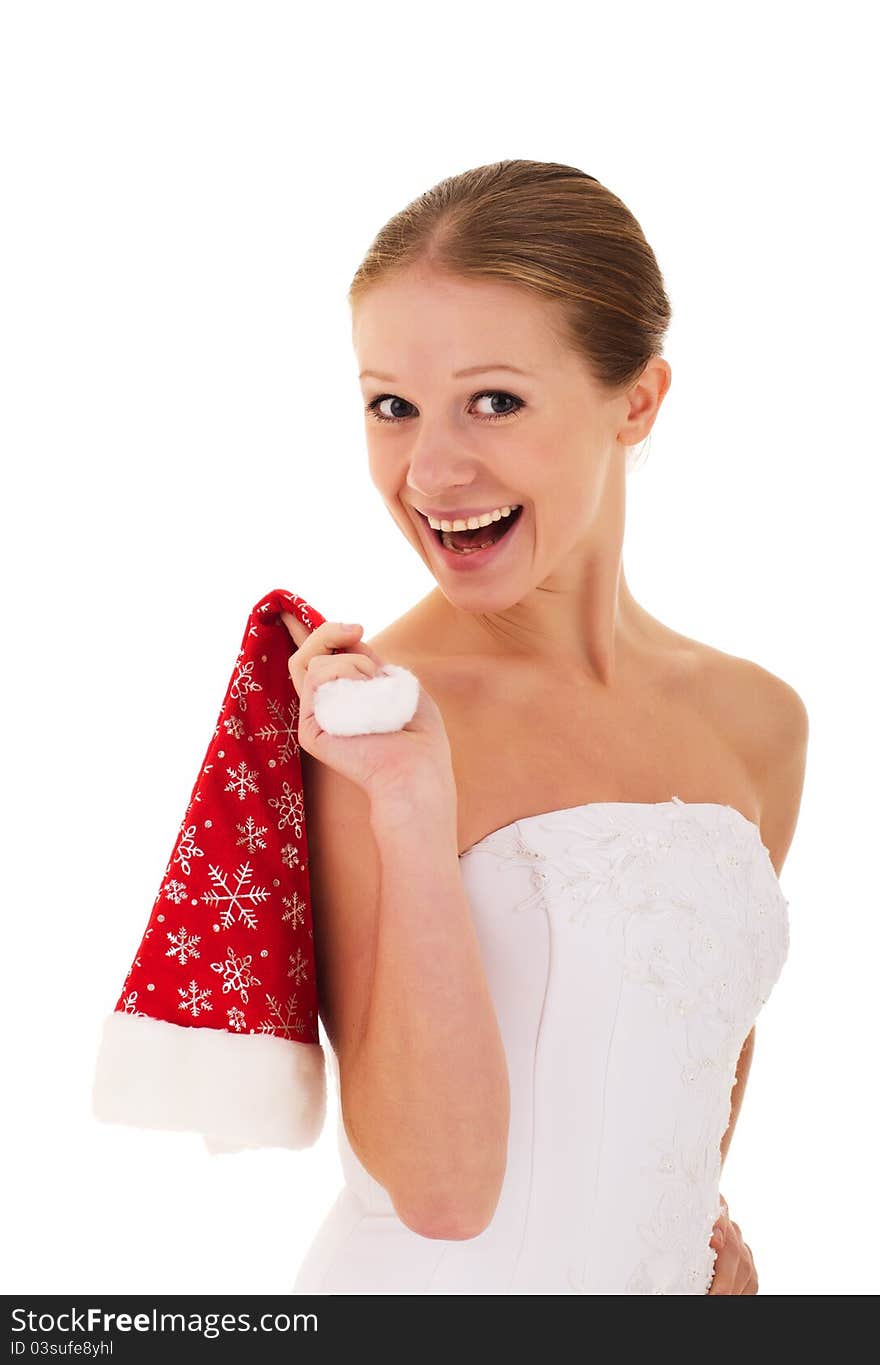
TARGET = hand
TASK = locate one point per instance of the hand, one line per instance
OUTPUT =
(389, 765)
(734, 1269)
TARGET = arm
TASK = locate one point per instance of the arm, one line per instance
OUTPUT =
(780, 765)
(405, 1003)
(777, 757)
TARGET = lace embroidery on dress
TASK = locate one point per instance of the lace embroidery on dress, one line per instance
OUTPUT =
(693, 901)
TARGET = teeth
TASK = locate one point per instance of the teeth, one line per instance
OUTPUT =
(471, 523)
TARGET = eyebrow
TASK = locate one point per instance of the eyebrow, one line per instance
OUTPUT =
(457, 374)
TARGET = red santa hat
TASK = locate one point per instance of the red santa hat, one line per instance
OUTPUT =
(215, 1030)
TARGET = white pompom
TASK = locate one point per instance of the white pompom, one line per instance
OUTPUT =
(368, 706)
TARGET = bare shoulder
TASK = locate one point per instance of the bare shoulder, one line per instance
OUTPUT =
(402, 642)
(768, 722)
(443, 675)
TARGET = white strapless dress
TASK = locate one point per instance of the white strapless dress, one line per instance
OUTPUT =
(628, 949)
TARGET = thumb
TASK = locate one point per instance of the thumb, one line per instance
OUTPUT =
(298, 631)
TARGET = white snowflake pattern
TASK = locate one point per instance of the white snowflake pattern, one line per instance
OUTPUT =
(240, 897)
(234, 727)
(195, 999)
(175, 891)
(285, 729)
(237, 1021)
(243, 684)
(243, 780)
(290, 855)
(183, 945)
(187, 849)
(251, 834)
(295, 912)
(298, 966)
(290, 808)
(237, 973)
(129, 1004)
(286, 1021)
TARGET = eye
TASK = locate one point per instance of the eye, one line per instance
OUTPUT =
(373, 407)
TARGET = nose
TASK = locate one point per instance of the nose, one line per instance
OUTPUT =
(439, 479)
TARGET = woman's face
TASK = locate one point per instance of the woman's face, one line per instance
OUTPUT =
(546, 437)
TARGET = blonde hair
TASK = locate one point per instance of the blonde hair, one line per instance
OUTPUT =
(549, 228)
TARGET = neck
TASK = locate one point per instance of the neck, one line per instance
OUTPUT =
(588, 629)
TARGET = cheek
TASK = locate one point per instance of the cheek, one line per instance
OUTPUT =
(388, 476)
(564, 515)
(377, 468)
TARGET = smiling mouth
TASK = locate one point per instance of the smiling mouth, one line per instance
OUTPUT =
(466, 542)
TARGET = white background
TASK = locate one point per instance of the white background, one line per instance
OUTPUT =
(188, 189)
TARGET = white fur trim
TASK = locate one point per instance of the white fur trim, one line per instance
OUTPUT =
(367, 706)
(237, 1089)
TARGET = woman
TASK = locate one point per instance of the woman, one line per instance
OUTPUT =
(546, 915)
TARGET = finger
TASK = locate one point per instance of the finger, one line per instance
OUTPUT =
(356, 646)
(746, 1273)
(323, 668)
(361, 648)
(735, 1262)
(719, 1233)
(326, 667)
(750, 1284)
(323, 640)
(742, 1278)
(725, 1272)
(298, 631)
(328, 635)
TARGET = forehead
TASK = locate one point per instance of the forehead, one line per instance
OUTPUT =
(425, 323)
